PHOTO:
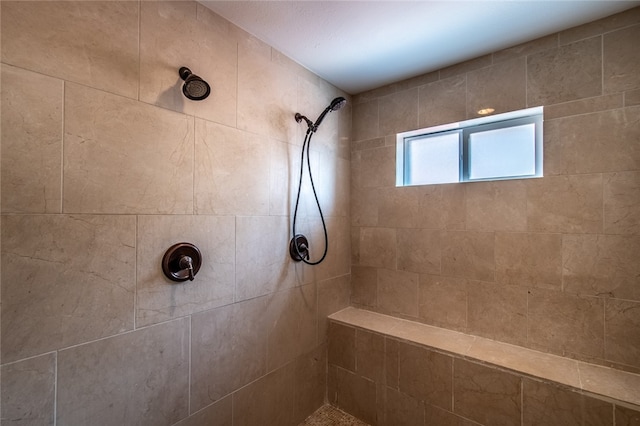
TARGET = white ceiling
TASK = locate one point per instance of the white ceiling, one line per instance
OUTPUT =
(361, 45)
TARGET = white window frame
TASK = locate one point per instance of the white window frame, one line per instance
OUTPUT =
(464, 129)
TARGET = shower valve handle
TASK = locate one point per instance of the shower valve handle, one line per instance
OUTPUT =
(186, 263)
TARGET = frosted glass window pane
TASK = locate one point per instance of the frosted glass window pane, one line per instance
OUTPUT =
(434, 159)
(502, 152)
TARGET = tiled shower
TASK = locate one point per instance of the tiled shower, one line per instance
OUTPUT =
(105, 165)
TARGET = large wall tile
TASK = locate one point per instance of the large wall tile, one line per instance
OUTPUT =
(565, 204)
(158, 298)
(488, 396)
(228, 350)
(498, 312)
(171, 37)
(419, 250)
(496, 206)
(443, 102)
(364, 285)
(622, 322)
(284, 170)
(590, 143)
(621, 60)
(310, 388)
(65, 280)
(632, 98)
(341, 347)
(402, 410)
(398, 292)
(501, 86)
(137, 378)
(466, 66)
(600, 26)
(266, 93)
(582, 106)
(378, 247)
(442, 206)
(28, 391)
(268, 401)
(334, 295)
(232, 171)
(399, 112)
(333, 184)
(526, 48)
(31, 142)
(549, 405)
(626, 416)
(622, 203)
(293, 322)
(122, 156)
(395, 207)
(566, 324)
(218, 414)
(365, 120)
(263, 264)
(468, 254)
(565, 73)
(353, 394)
(364, 206)
(370, 355)
(91, 43)
(426, 375)
(336, 263)
(374, 168)
(442, 301)
(529, 259)
(600, 265)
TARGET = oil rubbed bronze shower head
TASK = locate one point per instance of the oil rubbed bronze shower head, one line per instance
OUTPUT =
(194, 87)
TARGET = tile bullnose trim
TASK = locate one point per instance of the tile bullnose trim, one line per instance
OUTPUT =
(603, 381)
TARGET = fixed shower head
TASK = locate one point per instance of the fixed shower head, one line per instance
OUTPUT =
(194, 87)
(335, 105)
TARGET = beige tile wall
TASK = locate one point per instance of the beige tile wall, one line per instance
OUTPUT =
(548, 263)
(105, 164)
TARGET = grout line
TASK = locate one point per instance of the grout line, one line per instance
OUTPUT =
(522, 401)
(193, 168)
(135, 274)
(190, 371)
(55, 388)
(139, 42)
(453, 399)
(64, 103)
(602, 65)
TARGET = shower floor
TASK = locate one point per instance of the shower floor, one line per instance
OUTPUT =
(328, 415)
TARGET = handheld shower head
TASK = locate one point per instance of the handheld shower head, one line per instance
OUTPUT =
(335, 105)
(194, 87)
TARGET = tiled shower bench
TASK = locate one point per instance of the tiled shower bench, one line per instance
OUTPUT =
(389, 371)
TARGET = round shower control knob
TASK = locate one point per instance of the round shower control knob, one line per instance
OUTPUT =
(181, 262)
